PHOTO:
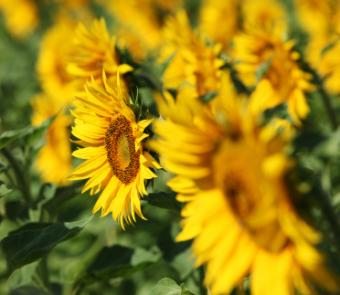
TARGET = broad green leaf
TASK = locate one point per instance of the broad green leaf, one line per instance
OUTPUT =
(30, 132)
(8, 137)
(4, 190)
(164, 200)
(28, 290)
(33, 241)
(23, 276)
(112, 262)
(167, 286)
(331, 146)
(183, 263)
(142, 255)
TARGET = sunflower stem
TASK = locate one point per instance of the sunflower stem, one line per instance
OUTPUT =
(21, 179)
(328, 106)
(327, 101)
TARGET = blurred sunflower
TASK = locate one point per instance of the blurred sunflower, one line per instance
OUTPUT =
(111, 145)
(269, 15)
(240, 214)
(192, 62)
(323, 48)
(259, 55)
(317, 17)
(138, 26)
(93, 51)
(213, 15)
(21, 16)
(52, 62)
(54, 159)
(323, 53)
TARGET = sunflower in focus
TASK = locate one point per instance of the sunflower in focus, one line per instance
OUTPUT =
(240, 216)
(259, 55)
(21, 16)
(54, 159)
(111, 141)
(192, 62)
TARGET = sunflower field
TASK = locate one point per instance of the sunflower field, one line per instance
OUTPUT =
(169, 147)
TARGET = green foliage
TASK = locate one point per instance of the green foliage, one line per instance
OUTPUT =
(33, 241)
(168, 286)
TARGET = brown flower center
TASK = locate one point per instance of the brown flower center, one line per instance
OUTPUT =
(121, 152)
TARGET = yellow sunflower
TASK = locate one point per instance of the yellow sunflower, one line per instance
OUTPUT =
(221, 14)
(230, 172)
(54, 159)
(192, 62)
(111, 141)
(268, 14)
(21, 16)
(259, 55)
(323, 53)
(52, 61)
(317, 17)
(137, 26)
(93, 51)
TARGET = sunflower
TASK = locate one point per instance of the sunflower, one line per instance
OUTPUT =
(317, 17)
(53, 57)
(138, 27)
(21, 16)
(323, 47)
(54, 159)
(260, 55)
(213, 15)
(323, 53)
(192, 61)
(111, 141)
(93, 51)
(269, 15)
(230, 172)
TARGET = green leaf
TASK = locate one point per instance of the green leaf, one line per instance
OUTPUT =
(262, 70)
(28, 290)
(329, 46)
(183, 263)
(33, 241)
(4, 190)
(206, 98)
(164, 200)
(8, 137)
(113, 262)
(167, 286)
(30, 132)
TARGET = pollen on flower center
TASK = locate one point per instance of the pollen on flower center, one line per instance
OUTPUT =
(121, 152)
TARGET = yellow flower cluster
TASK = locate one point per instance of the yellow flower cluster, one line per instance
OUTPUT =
(229, 162)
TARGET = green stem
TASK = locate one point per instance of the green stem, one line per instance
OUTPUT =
(328, 106)
(22, 182)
